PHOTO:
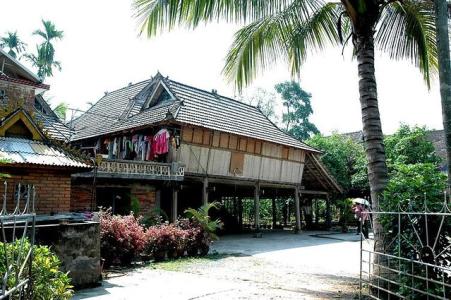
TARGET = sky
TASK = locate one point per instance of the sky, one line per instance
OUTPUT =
(103, 51)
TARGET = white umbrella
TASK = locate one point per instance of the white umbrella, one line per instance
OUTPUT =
(361, 201)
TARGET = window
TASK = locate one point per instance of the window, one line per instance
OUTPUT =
(237, 163)
(159, 95)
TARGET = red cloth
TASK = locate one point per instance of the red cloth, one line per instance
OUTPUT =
(161, 143)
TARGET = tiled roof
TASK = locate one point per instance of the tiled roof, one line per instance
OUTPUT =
(123, 109)
(210, 110)
(54, 127)
(103, 115)
(24, 151)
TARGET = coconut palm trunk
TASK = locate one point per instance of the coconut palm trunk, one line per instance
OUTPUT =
(441, 21)
(372, 128)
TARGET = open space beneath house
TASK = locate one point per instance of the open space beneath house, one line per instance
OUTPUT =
(281, 265)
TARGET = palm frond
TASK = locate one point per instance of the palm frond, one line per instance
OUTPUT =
(155, 16)
(407, 31)
(287, 35)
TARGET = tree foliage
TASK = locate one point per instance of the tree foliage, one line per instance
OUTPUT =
(61, 110)
(416, 183)
(346, 160)
(298, 110)
(409, 145)
(44, 58)
(13, 43)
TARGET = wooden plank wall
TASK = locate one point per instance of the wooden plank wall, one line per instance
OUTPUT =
(210, 152)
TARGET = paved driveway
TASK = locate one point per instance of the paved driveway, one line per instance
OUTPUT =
(311, 265)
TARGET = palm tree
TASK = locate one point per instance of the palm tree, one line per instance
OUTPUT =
(442, 23)
(44, 59)
(13, 43)
(287, 30)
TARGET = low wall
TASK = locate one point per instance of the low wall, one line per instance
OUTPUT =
(78, 247)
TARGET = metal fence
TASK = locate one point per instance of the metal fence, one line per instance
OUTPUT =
(17, 231)
(413, 260)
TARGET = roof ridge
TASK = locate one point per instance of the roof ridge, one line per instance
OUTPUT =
(108, 94)
(209, 92)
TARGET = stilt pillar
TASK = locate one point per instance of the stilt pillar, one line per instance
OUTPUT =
(240, 213)
(274, 215)
(174, 212)
(328, 213)
(257, 210)
(205, 191)
(297, 205)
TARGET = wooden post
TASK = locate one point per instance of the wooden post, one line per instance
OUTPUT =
(274, 216)
(257, 210)
(328, 216)
(158, 199)
(205, 191)
(316, 212)
(285, 212)
(174, 204)
(298, 210)
(240, 212)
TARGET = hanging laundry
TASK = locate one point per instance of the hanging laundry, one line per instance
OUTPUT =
(115, 146)
(110, 150)
(150, 154)
(161, 142)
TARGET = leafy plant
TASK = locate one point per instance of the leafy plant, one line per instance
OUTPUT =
(122, 238)
(49, 283)
(200, 216)
(135, 206)
(155, 217)
(166, 239)
(346, 216)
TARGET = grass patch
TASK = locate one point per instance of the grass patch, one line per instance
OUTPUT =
(181, 263)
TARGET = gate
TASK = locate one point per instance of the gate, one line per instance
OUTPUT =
(415, 259)
(17, 230)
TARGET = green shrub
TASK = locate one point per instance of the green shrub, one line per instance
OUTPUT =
(410, 188)
(49, 283)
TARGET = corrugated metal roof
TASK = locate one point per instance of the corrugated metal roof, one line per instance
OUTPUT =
(123, 109)
(23, 151)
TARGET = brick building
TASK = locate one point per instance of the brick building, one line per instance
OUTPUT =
(32, 142)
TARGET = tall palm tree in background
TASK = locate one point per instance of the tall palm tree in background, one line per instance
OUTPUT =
(286, 30)
(443, 12)
(13, 43)
(44, 59)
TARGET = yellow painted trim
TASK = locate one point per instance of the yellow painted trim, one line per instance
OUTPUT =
(20, 116)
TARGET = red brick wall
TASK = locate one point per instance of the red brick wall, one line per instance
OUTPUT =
(146, 197)
(81, 195)
(52, 186)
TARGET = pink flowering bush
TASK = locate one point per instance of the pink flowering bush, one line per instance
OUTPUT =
(122, 238)
(166, 239)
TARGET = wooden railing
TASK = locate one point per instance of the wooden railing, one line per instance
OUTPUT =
(141, 168)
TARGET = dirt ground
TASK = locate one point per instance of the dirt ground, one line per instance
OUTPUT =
(311, 265)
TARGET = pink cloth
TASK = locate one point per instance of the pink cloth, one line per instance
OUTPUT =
(161, 143)
(361, 212)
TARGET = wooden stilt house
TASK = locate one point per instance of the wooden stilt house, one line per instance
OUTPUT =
(172, 146)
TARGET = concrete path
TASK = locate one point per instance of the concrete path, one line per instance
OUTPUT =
(312, 265)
